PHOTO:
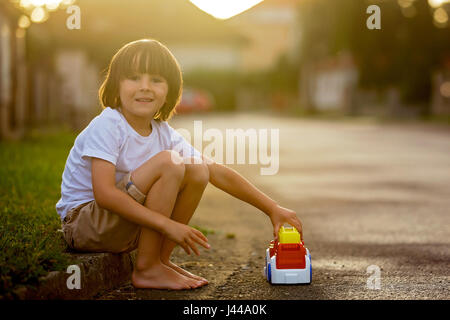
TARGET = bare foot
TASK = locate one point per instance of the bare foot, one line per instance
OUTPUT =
(160, 276)
(185, 272)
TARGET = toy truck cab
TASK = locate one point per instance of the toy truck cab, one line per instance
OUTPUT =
(287, 260)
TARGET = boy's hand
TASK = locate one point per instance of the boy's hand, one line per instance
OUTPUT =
(279, 216)
(186, 237)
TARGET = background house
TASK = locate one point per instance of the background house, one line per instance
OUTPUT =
(334, 83)
(272, 31)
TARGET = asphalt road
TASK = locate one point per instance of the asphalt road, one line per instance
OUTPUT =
(368, 194)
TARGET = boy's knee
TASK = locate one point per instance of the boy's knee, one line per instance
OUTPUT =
(172, 163)
(197, 174)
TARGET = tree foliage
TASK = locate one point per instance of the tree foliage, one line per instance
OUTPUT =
(404, 53)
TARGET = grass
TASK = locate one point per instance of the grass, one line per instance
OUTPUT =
(30, 244)
(203, 230)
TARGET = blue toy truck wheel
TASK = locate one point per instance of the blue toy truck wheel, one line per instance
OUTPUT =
(269, 273)
(265, 264)
(310, 270)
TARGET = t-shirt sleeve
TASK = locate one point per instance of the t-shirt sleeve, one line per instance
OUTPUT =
(103, 140)
(181, 145)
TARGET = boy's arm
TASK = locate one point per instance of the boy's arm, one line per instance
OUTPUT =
(236, 185)
(109, 197)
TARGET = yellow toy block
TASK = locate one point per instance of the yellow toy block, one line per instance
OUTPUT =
(288, 235)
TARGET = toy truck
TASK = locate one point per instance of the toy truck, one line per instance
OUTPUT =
(287, 260)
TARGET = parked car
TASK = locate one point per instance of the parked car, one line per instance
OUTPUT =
(195, 100)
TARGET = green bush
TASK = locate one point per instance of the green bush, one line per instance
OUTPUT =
(30, 244)
(222, 84)
(282, 77)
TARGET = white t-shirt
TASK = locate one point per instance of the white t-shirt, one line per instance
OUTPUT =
(110, 137)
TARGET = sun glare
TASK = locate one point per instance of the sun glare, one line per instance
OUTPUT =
(224, 9)
(437, 3)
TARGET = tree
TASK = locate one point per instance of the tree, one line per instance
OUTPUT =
(403, 53)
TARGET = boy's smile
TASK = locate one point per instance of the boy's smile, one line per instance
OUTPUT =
(142, 95)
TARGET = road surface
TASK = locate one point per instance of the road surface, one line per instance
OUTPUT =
(368, 194)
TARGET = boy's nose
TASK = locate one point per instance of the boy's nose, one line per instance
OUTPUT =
(145, 83)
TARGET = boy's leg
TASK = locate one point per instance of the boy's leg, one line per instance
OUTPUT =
(195, 180)
(160, 179)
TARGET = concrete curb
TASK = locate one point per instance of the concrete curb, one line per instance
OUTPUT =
(99, 272)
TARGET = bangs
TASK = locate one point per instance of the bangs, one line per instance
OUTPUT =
(147, 60)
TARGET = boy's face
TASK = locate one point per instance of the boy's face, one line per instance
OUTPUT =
(142, 95)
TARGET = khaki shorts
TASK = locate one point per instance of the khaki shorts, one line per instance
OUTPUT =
(91, 228)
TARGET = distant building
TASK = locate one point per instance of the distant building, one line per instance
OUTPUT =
(333, 83)
(197, 39)
(217, 56)
(79, 82)
(272, 31)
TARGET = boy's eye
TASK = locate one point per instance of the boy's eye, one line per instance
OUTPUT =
(158, 79)
(137, 77)
(134, 77)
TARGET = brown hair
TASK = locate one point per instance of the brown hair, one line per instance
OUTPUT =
(143, 56)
